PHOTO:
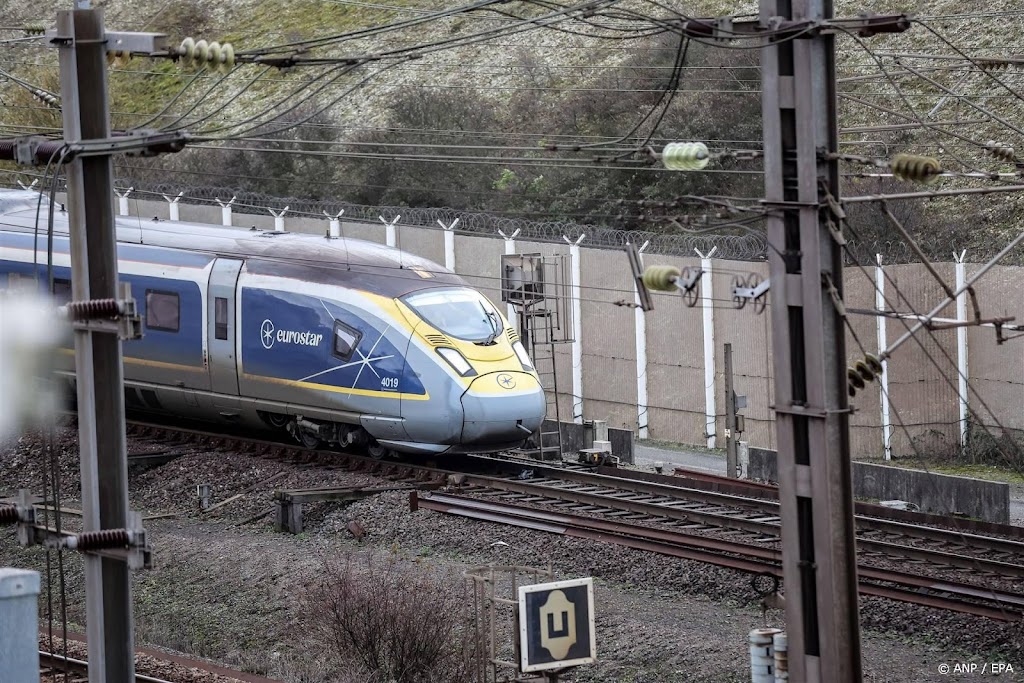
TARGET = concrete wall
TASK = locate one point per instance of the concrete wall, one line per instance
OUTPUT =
(922, 372)
(935, 493)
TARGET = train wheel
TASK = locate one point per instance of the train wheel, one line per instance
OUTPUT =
(311, 441)
(377, 451)
(279, 421)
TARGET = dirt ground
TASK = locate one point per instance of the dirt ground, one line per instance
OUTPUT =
(232, 589)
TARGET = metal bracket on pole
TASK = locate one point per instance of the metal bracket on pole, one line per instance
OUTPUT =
(633, 254)
(751, 288)
(128, 544)
(143, 44)
(25, 150)
(113, 316)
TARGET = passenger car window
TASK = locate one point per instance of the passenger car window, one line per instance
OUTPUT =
(163, 311)
(220, 315)
(346, 339)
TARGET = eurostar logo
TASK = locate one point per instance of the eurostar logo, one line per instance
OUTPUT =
(506, 381)
(267, 333)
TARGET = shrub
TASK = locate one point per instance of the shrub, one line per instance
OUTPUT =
(398, 621)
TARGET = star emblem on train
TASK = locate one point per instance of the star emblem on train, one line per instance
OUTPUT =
(267, 333)
(506, 381)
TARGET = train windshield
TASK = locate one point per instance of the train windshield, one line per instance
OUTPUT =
(462, 313)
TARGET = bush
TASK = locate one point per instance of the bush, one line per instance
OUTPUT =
(393, 620)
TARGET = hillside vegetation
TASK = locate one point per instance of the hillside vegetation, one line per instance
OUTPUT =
(495, 126)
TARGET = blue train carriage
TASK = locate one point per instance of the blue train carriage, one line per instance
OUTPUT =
(339, 341)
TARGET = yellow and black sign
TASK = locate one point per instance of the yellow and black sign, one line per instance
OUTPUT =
(556, 625)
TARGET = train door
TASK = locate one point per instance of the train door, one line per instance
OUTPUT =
(221, 326)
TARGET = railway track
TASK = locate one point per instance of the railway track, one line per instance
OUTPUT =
(895, 585)
(168, 667)
(702, 510)
(705, 509)
(52, 667)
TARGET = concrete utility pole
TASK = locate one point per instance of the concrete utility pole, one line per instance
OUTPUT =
(104, 466)
(733, 422)
(808, 338)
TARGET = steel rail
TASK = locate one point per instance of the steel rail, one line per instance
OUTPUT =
(770, 507)
(952, 596)
(59, 663)
(677, 508)
(674, 508)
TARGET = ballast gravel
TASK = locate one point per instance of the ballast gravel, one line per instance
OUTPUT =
(227, 587)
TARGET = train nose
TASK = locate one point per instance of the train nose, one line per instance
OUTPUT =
(502, 408)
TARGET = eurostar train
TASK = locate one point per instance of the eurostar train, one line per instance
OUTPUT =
(340, 341)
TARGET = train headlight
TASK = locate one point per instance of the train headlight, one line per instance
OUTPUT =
(524, 358)
(457, 361)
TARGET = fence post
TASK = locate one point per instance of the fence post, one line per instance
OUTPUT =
(225, 211)
(389, 230)
(707, 303)
(577, 323)
(334, 224)
(278, 218)
(510, 248)
(173, 206)
(449, 243)
(961, 345)
(882, 345)
(19, 625)
(640, 322)
(122, 201)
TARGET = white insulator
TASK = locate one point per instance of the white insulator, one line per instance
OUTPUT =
(781, 646)
(762, 655)
(202, 52)
(187, 50)
(685, 156)
(227, 58)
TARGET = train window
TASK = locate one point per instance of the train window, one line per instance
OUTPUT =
(163, 311)
(346, 339)
(61, 290)
(463, 313)
(220, 314)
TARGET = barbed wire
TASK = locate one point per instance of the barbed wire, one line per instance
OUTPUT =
(745, 247)
(748, 247)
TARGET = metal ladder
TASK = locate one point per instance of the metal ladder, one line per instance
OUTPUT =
(539, 338)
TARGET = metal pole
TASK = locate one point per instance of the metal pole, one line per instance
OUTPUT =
(104, 466)
(961, 344)
(577, 324)
(883, 384)
(730, 416)
(707, 303)
(640, 325)
(808, 341)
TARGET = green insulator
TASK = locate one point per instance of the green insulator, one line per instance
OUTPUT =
(685, 156)
(660, 278)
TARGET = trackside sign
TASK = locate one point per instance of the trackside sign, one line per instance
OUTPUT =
(556, 625)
